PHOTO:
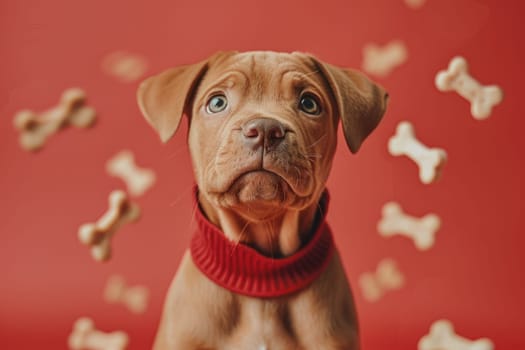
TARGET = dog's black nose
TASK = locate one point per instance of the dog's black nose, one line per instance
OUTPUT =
(263, 132)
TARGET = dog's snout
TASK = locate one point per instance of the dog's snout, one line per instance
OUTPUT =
(263, 132)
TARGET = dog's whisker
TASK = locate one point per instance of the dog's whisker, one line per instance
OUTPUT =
(269, 238)
(192, 220)
(313, 155)
(194, 212)
(320, 209)
(238, 241)
(317, 141)
(177, 152)
(181, 196)
(298, 177)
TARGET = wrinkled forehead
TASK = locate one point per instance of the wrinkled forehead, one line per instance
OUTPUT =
(261, 71)
(268, 60)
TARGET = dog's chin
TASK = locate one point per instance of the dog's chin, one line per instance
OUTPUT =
(258, 195)
(260, 188)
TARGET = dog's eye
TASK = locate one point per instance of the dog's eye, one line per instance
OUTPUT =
(216, 104)
(308, 104)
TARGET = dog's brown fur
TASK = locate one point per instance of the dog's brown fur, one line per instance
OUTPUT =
(262, 193)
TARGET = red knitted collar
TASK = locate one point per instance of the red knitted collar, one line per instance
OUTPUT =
(243, 270)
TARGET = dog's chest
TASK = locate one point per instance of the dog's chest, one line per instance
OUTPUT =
(262, 326)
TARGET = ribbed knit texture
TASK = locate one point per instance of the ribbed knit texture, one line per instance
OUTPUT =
(241, 269)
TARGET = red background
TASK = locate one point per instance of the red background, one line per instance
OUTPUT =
(472, 276)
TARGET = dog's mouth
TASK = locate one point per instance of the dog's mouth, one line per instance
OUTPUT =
(259, 193)
(260, 185)
(261, 188)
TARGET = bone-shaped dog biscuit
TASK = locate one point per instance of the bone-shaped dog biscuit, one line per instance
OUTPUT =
(386, 277)
(138, 180)
(380, 61)
(429, 160)
(457, 78)
(442, 337)
(421, 230)
(36, 129)
(85, 337)
(134, 298)
(125, 66)
(98, 235)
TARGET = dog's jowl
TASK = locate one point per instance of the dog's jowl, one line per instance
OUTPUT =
(262, 270)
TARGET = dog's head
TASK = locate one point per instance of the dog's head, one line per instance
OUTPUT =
(263, 125)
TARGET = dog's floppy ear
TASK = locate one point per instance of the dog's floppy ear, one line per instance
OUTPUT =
(360, 102)
(165, 97)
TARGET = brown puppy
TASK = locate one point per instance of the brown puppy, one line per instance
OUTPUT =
(262, 272)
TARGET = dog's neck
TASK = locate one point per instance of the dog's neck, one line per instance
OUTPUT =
(282, 235)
